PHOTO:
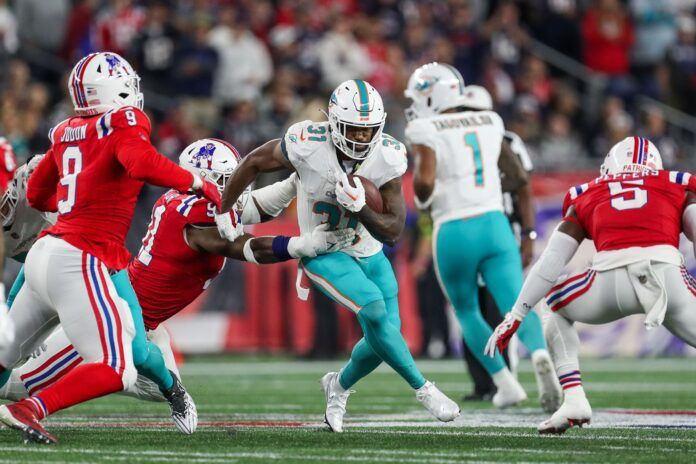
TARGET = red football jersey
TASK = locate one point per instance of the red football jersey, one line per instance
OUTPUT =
(631, 210)
(168, 274)
(8, 163)
(92, 175)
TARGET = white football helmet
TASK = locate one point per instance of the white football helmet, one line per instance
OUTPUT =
(355, 103)
(8, 203)
(103, 81)
(476, 97)
(632, 154)
(433, 88)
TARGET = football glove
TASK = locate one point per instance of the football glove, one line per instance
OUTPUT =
(208, 190)
(502, 334)
(351, 198)
(229, 225)
(320, 241)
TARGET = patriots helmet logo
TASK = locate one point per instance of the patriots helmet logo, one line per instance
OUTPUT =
(204, 155)
(113, 62)
(425, 84)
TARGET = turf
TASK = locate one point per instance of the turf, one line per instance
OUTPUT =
(270, 410)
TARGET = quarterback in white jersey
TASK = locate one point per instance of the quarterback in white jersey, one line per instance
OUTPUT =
(360, 277)
(459, 148)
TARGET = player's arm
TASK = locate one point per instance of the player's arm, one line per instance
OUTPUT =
(266, 158)
(269, 249)
(268, 202)
(424, 174)
(516, 179)
(689, 218)
(561, 248)
(43, 183)
(388, 225)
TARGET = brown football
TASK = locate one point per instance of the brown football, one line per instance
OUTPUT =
(373, 197)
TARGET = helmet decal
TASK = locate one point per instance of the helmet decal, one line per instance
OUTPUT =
(364, 99)
(425, 85)
(114, 63)
(204, 155)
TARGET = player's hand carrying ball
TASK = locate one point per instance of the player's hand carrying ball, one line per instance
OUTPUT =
(502, 335)
(351, 198)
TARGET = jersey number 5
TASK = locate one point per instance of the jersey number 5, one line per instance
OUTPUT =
(72, 165)
(625, 197)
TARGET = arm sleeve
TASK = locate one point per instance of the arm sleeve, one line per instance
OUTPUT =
(142, 162)
(543, 275)
(42, 185)
(272, 199)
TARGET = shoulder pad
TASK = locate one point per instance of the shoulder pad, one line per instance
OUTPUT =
(303, 138)
(497, 120)
(123, 118)
(420, 132)
(52, 130)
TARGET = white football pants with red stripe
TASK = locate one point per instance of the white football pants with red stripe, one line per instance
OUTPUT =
(67, 286)
(57, 357)
(598, 297)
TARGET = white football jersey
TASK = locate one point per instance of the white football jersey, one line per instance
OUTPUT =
(467, 148)
(28, 222)
(308, 146)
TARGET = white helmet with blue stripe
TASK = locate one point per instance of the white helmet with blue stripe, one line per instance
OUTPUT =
(103, 81)
(632, 154)
(356, 103)
(433, 88)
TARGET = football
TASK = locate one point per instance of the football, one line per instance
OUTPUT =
(373, 197)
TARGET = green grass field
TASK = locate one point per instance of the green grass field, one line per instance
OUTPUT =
(271, 410)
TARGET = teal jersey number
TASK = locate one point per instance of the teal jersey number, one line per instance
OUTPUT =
(389, 140)
(334, 217)
(471, 139)
(318, 130)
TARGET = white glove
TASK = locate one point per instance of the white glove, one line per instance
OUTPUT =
(320, 241)
(351, 198)
(229, 225)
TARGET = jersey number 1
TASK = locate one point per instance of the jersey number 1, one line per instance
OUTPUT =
(623, 197)
(471, 139)
(72, 165)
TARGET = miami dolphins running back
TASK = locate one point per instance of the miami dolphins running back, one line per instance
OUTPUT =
(460, 154)
(359, 277)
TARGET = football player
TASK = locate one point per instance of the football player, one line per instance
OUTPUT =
(182, 253)
(459, 156)
(360, 277)
(634, 213)
(91, 176)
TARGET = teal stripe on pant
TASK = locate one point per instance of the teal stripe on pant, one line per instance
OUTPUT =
(368, 287)
(147, 356)
(485, 245)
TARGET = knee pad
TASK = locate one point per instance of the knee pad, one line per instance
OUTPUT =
(373, 313)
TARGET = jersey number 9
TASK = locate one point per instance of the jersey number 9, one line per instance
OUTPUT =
(72, 165)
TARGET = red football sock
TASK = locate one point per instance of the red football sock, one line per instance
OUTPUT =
(83, 383)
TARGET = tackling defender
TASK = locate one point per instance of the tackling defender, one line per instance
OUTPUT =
(634, 213)
(460, 153)
(182, 253)
(360, 277)
(91, 175)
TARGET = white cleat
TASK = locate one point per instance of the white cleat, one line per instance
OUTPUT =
(437, 403)
(550, 392)
(508, 395)
(336, 399)
(184, 412)
(576, 412)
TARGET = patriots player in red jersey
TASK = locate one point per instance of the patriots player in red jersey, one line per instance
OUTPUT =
(91, 175)
(182, 253)
(634, 213)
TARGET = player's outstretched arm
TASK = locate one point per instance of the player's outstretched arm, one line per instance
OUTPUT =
(269, 249)
(424, 174)
(562, 245)
(388, 225)
(42, 185)
(266, 158)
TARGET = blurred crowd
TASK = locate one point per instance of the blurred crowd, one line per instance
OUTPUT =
(245, 69)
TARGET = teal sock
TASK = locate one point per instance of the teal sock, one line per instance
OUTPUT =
(363, 360)
(476, 333)
(386, 340)
(14, 290)
(147, 357)
(531, 334)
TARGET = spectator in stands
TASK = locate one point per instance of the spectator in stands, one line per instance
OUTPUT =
(9, 42)
(558, 26)
(506, 34)
(654, 128)
(76, 43)
(245, 64)
(534, 80)
(340, 55)
(560, 145)
(682, 61)
(607, 34)
(196, 62)
(118, 26)
(41, 23)
(155, 47)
